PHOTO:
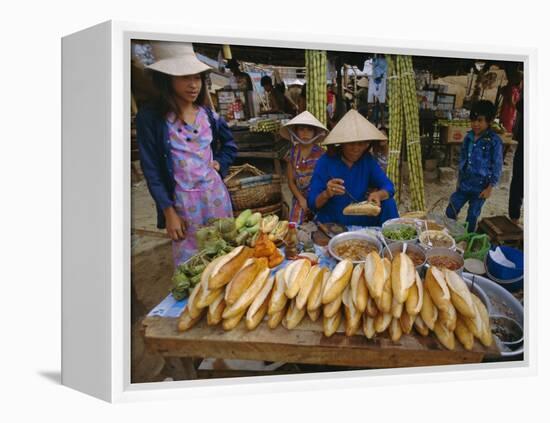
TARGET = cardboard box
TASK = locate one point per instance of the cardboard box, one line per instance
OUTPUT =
(453, 134)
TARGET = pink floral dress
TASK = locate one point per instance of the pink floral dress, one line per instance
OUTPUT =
(200, 193)
(302, 169)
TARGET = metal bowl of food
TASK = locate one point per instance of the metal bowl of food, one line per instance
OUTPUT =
(401, 221)
(354, 246)
(437, 239)
(400, 232)
(507, 330)
(431, 225)
(443, 257)
(414, 251)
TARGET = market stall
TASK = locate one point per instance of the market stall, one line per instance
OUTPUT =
(445, 103)
(263, 290)
(258, 138)
(451, 134)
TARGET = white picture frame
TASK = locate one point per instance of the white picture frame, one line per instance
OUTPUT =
(96, 160)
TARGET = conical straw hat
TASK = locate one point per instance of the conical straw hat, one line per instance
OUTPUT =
(304, 118)
(352, 128)
(176, 59)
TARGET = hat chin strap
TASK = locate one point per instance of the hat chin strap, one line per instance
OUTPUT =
(296, 139)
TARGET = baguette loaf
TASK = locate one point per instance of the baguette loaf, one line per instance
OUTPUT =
(359, 291)
(368, 326)
(242, 280)
(331, 324)
(229, 264)
(186, 322)
(314, 276)
(278, 299)
(338, 280)
(374, 274)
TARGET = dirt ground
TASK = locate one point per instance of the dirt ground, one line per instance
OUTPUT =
(152, 265)
(437, 192)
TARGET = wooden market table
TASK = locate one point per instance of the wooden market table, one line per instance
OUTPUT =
(305, 344)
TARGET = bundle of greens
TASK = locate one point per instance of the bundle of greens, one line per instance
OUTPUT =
(187, 275)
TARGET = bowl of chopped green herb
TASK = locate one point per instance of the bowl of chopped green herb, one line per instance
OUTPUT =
(396, 232)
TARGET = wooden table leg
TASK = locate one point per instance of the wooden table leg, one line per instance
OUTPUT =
(182, 368)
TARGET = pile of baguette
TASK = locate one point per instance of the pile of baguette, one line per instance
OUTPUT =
(378, 295)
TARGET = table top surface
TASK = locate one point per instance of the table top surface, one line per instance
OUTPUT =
(306, 344)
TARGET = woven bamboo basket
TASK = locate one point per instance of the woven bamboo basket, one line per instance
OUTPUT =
(250, 188)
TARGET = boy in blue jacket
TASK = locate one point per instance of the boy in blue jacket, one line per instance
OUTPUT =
(480, 164)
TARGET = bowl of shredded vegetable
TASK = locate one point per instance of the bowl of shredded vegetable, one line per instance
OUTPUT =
(396, 232)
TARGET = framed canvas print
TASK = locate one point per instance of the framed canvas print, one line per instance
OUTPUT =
(264, 212)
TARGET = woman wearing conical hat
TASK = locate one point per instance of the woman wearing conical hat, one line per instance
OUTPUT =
(348, 170)
(305, 132)
(185, 148)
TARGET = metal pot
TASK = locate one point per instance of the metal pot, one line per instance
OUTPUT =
(426, 235)
(397, 226)
(397, 247)
(352, 235)
(440, 251)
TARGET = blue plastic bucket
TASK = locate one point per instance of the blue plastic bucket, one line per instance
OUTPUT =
(506, 273)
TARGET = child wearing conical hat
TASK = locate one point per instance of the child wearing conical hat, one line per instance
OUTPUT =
(305, 132)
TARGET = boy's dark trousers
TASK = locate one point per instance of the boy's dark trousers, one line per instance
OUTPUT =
(457, 201)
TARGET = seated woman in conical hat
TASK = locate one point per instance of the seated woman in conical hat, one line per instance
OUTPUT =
(347, 170)
(305, 133)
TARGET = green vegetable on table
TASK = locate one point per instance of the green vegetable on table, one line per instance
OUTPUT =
(253, 229)
(240, 221)
(226, 225)
(241, 237)
(182, 285)
(254, 220)
(401, 233)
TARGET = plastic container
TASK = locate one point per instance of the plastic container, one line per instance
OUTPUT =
(482, 248)
(510, 285)
(475, 266)
(506, 273)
